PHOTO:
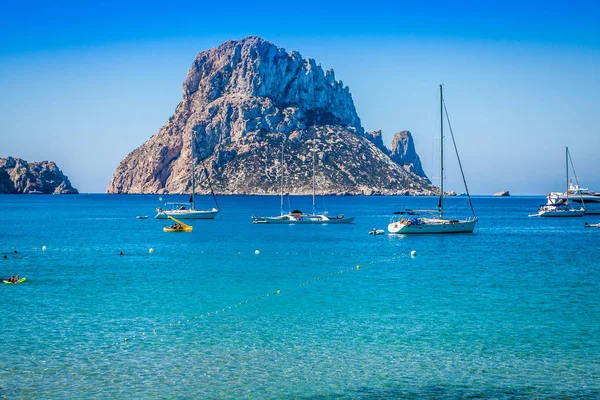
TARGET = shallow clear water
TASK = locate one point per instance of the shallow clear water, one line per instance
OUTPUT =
(512, 311)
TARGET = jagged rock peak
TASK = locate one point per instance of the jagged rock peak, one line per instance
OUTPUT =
(375, 138)
(17, 176)
(257, 68)
(403, 152)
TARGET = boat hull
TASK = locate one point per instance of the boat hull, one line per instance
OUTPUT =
(186, 228)
(439, 226)
(288, 220)
(590, 203)
(188, 214)
(561, 214)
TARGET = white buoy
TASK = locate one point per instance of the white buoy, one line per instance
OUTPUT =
(256, 252)
(43, 248)
(413, 253)
(151, 250)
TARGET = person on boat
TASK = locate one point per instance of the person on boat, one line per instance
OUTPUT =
(16, 279)
(11, 279)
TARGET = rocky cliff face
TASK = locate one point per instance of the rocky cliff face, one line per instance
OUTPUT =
(375, 138)
(240, 102)
(403, 152)
(18, 176)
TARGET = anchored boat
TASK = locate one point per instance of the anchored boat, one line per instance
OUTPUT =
(188, 210)
(411, 221)
(297, 217)
(557, 206)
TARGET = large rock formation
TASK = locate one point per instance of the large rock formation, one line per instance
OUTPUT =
(18, 176)
(241, 101)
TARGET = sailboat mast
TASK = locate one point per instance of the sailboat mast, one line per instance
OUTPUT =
(314, 182)
(282, 160)
(441, 202)
(193, 171)
(567, 165)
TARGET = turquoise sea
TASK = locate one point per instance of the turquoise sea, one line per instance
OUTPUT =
(511, 311)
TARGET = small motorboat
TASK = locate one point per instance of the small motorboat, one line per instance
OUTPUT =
(592, 225)
(142, 217)
(376, 231)
(178, 226)
(14, 283)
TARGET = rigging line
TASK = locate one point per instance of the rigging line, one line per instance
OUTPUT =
(574, 173)
(211, 189)
(458, 157)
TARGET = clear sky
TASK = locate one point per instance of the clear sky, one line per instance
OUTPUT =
(84, 84)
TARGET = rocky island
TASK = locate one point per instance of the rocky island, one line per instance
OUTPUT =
(257, 113)
(17, 176)
(504, 193)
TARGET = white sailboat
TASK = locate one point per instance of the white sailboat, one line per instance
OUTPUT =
(580, 196)
(557, 206)
(188, 210)
(297, 217)
(411, 222)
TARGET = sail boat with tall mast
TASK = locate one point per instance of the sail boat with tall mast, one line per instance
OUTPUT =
(297, 216)
(410, 221)
(557, 206)
(188, 210)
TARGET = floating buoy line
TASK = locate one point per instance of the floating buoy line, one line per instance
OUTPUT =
(230, 308)
(186, 321)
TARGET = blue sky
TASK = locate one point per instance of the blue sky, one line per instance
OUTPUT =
(84, 84)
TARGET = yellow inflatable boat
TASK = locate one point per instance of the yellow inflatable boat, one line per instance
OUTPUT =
(14, 283)
(178, 226)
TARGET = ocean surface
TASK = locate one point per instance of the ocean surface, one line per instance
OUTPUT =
(511, 311)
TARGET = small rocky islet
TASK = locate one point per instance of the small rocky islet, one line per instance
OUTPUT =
(18, 176)
(244, 103)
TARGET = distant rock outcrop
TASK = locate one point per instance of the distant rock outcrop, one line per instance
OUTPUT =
(17, 176)
(403, 153)
(504, 193)
(241, 101)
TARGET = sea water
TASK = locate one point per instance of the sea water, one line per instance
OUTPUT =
(511, 311)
